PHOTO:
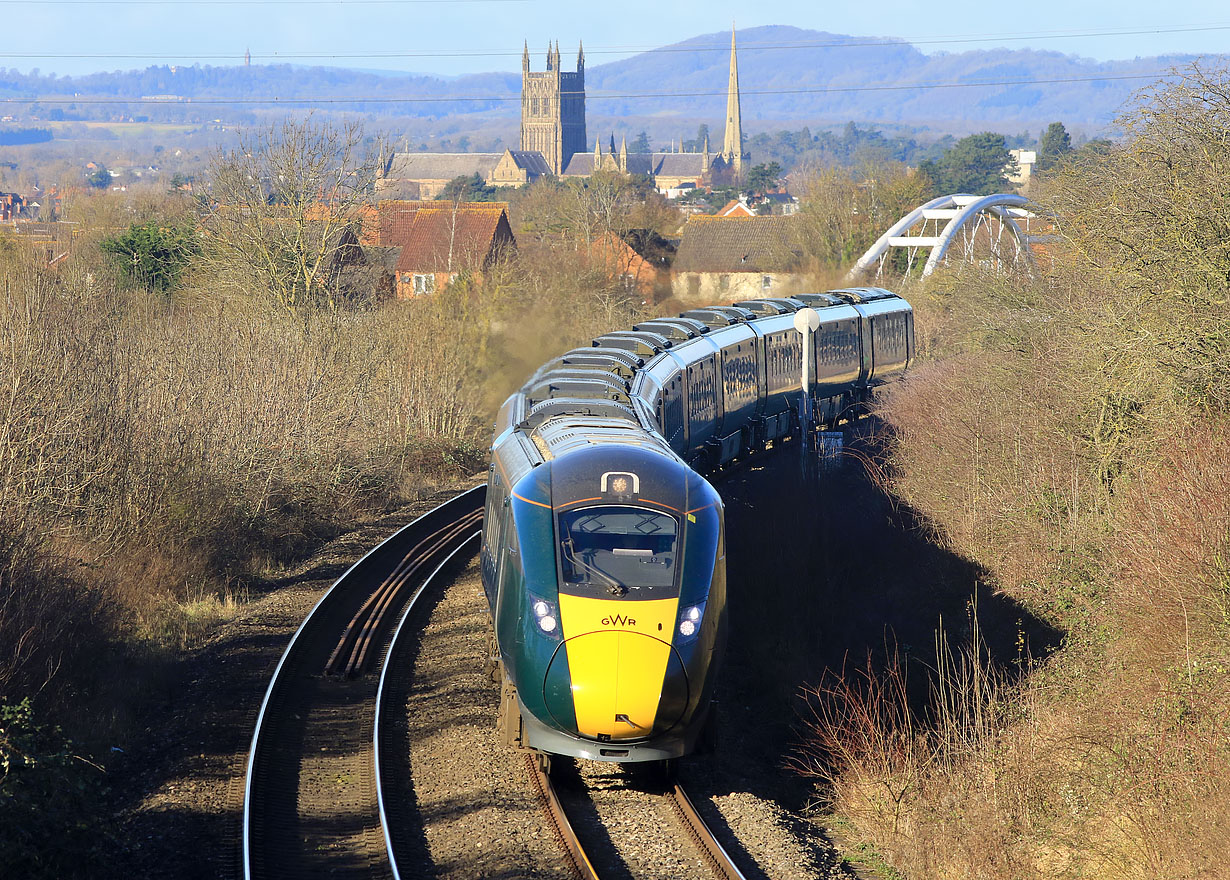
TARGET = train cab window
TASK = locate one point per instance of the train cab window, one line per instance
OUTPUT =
(618, 548)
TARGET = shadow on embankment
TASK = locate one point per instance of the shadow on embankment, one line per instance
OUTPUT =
(826, 572)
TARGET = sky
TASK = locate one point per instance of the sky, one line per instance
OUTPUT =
(454, 37)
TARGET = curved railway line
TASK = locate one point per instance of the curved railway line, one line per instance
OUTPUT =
(312, 800)
(319, 795)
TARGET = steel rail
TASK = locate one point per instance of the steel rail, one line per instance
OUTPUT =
(713, 853)
(719, 860)
(383, 554)
(381, 694)
(351, 655)
(581, 866)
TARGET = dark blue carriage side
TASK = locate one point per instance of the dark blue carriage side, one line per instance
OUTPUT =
(737, 388)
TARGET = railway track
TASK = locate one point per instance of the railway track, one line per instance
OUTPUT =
(585, 861)
(313, 802)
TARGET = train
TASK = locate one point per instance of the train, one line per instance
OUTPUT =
(603, 548)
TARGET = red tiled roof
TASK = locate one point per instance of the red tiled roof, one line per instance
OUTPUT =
(448, 238)
(387, 223)
(736, 208)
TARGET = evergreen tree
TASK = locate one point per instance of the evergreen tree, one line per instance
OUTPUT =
(467, 188)
(1054, 144)
(99, 178)
(976, 164)
(152, 256)
(762, 178)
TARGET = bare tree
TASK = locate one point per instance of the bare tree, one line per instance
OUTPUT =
(288, 208)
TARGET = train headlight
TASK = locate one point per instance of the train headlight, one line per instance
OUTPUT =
(544, 615)
(689, 621)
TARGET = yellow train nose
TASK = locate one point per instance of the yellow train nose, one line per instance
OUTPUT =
(617, 680)
(622, 670)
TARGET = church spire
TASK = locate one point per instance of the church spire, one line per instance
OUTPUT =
(732, 147)
(580, 56)
(525, 61)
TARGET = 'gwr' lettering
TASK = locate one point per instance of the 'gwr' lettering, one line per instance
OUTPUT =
(618, 620)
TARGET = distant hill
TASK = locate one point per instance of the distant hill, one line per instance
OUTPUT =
(788, 76)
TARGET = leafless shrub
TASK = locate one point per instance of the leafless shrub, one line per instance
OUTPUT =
(47, 617)
(288, 203)
(879, 746)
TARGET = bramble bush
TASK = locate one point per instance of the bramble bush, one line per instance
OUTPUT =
(50, 822)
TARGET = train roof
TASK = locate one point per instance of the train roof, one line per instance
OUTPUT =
(864, 294)
(559, 407)
(770, 305)
(820, 300)
(614, 360)
(715, 317)
(559, 373)
(674, 329)
(558, 437)
(644, 344)
(553, 386)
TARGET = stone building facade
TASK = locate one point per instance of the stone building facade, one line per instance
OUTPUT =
(553, 109)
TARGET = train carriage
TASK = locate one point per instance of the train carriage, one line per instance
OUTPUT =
(603, 553)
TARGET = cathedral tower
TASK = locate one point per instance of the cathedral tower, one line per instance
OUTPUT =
(553, 109)
(732, 146)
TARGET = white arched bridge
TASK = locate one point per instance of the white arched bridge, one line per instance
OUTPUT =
(978, 223)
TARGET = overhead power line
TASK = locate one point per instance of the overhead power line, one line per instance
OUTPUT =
(243, 2)
(589, 96)
(610, 50)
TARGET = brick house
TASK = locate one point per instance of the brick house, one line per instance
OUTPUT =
(443, 241)
(11, 206)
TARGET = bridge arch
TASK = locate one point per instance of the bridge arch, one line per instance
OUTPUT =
(936, 225)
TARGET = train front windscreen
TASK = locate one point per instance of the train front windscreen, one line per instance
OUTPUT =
(618, 549)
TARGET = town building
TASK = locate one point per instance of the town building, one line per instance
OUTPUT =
(731, 258)
(11, 206)
(553, 141)
(553, 109)
(424, 175)
(1020, 171)
(443, 241)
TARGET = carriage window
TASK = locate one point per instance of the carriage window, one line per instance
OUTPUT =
(618, 547)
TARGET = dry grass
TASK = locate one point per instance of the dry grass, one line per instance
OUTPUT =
(1091, 505)
(171, 451)
(1070, 435)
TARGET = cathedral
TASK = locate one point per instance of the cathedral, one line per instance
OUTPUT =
(553, 109)
(553, 141)
(673, 169)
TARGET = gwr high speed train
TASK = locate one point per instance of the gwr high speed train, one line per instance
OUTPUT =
(603, 553)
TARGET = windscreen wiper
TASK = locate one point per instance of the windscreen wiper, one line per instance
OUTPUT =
(571, 555)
